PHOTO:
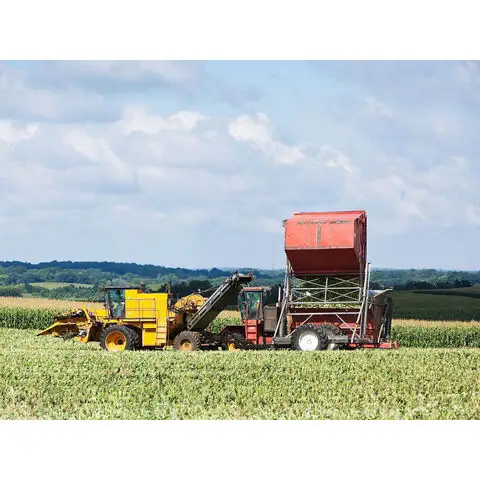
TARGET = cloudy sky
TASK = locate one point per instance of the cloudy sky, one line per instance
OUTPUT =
(196, 164)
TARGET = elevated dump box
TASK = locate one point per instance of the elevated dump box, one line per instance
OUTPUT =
(323, 243)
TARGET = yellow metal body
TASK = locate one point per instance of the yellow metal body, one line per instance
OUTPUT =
(148, 313)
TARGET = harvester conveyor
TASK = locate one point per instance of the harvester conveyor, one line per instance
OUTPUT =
(226, 294)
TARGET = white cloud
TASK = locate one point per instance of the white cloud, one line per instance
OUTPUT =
(257, 131)
(401, 194)
(183, 178)
(10, 133)
(333, 158)
(378, 108)
(85, 145)
(99, 151)
(136, 118)
(251, 129)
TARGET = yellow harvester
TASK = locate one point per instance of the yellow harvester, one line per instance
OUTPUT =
(133, 318)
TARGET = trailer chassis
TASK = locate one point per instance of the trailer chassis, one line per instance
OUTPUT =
(302, 294)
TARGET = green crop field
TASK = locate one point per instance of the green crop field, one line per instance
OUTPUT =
(409, 333)
(453, 304)
(434, 375)
(48, 378)
(18, 312)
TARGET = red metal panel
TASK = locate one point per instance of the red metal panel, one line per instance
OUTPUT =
(326, 242)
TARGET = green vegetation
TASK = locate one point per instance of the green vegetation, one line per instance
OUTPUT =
(455, 304)
(22, 318)
(47, 378)
(423, 279)
(98, 273)
(421, 294)
(407, 335)
(436, 337)
(11, 291)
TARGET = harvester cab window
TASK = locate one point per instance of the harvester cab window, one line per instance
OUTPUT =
(242, 306)
(116, 303)
(253, 303)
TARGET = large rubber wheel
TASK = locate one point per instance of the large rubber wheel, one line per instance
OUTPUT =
(233, 341)
(388, 319)
(332, 330)
(118, 338)
(188, 341)
(309, 338)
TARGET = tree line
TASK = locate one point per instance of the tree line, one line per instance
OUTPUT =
(14, 272)
(83, 280)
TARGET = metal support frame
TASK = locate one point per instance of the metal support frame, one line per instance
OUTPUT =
(326, 291)
(305, 321)
(282, 319)
(364, 310)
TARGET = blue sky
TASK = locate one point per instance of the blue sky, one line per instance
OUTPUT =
(195, 164)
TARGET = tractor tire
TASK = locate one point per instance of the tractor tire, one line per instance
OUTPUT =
(332, 330)
(188, 341)
(117, 338)
(309, 338)
(233, 341)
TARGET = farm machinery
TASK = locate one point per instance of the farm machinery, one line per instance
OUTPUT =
(324, 303)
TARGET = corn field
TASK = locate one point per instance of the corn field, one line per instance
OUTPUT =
(409, 333)
(36, 313)
(19, 317)
(47, 378)
(428, 381)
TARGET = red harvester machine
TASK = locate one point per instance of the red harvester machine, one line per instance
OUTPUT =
(325, 302)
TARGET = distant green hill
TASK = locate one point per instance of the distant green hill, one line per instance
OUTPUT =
(423, 294)
(94, 273)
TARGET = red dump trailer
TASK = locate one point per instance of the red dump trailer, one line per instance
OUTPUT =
(326, 292)
(325, 302)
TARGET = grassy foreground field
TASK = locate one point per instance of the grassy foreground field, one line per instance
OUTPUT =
(47, 378)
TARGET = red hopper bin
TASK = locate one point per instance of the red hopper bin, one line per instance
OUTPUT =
(323, 243)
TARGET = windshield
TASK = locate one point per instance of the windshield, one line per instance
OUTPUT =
(116, 303)
(253, 301)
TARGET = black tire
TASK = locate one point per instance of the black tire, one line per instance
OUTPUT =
(188, 341)
(309, 337)
(233, 341)
(117, 338)
(335, 331)
(388, 319)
